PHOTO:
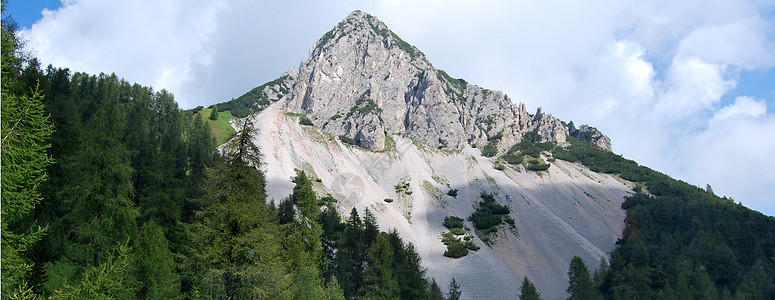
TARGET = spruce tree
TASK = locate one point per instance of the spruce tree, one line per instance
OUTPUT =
(214, 113)
(528, 291)
(378, 281)
(434, 291)
(153, 263)
(454, 290)
(236, 247)
(581, 286)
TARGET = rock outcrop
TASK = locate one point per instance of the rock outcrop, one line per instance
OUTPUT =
(363, 82)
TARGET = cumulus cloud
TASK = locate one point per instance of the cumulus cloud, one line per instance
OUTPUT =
(652, 75)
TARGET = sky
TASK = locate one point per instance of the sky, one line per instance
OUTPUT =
(684, 87)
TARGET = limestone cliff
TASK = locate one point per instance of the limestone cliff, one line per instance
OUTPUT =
(363, 82)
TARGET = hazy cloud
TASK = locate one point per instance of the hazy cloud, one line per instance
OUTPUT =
(652, 75)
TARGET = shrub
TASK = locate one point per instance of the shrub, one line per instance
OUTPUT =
(453, 222)
(305, 121)
(388, 200)
(452, 192)
(469, 244)
(499, 166)
(457, 231)
(347, 140)
(489, 150)
(456, 250)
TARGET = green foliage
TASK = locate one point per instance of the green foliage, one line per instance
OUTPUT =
(364, 106)
(26, 132)
(452, 192)
(110, 279)
(453, 222)
(457, 231)
(528, 151)
(488, 213)
(580, 281)
(403, 187)
(348, 140)
(221, 129)
(434, 291)
(454, 290)
(379, 282)
(389, 200)
(305, 121)
(677, 225)
(528, 291)
(214, 113)
(499, 166)
(489, 150)
(256, 99)
(154, 266)
(358, 257)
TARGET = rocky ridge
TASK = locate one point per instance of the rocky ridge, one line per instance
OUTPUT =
(364, 83)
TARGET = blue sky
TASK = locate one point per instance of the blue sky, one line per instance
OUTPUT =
(27, 12)
(685, 87)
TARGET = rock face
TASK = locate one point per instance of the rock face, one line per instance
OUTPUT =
(559, 213)
(590, 135)
(363, 82)
(364, 85)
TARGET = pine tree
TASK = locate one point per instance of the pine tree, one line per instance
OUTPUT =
(25, 139)
(214, 113)
(153, 263)
(581, 286)
(110, 279)
(378, 281)
(434, 291)
(528, 291)
(304, 196)
(236, 247)
(454, 290)
(98, 214)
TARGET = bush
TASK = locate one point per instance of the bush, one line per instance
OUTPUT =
(453, 222)
(388, 200)
(508, 220)
(469, 244)
(452, 192)
(499, 166)
(457, 231)
(489, 150)
(456, 250)
(347, 140)
(305, 121)
(488, 214)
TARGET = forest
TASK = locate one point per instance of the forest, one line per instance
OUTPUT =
(111, 191)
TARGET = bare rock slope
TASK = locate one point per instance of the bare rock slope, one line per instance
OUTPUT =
(565, 211)
(417, 133)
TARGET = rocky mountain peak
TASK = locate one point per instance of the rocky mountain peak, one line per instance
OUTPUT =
(363, 83)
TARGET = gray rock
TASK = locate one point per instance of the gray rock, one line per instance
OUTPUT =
(362, 81)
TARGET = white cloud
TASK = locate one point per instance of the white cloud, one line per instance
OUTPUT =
(692, 86)
(652, 75)
(743, 107)
(152, 42)
(734, 154)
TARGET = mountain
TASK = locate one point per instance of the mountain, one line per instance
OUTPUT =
(379, 128)
(391, 133)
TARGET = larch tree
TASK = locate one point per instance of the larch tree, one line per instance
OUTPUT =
(25, 140)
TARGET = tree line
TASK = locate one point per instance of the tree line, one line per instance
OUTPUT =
(110, 190)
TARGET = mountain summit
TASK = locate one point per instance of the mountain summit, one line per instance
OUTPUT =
(363, 82)
(379, 128)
